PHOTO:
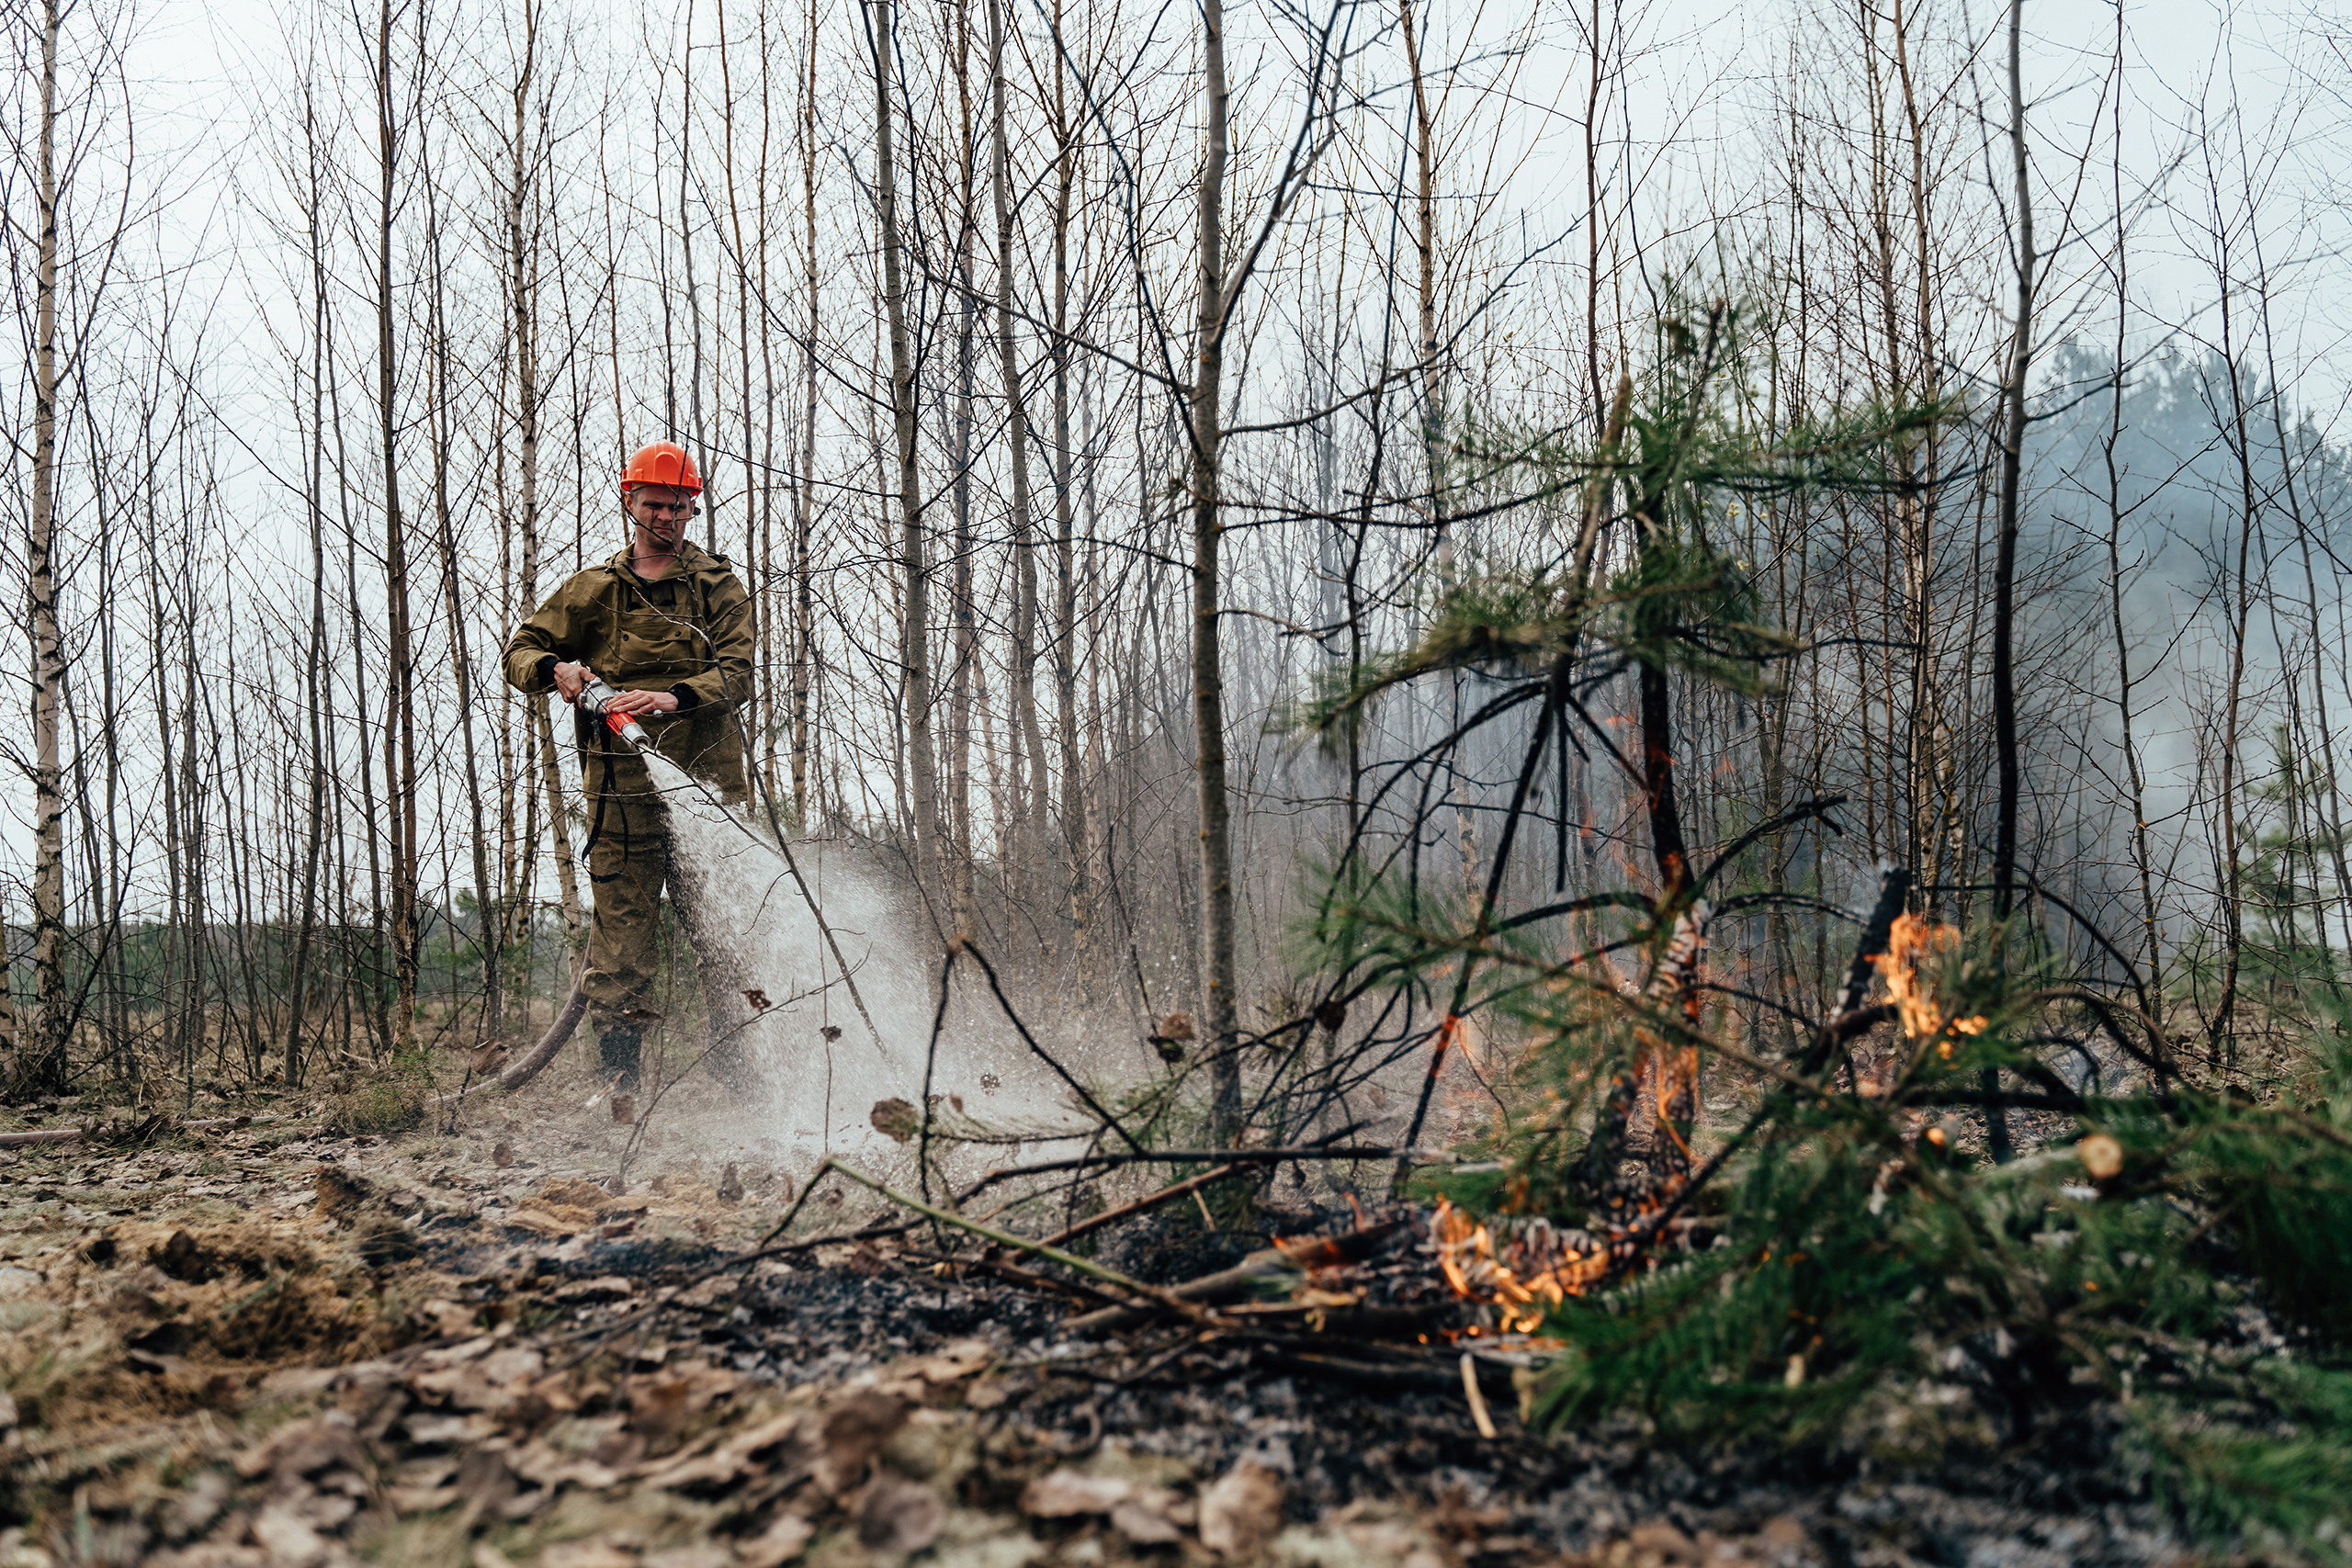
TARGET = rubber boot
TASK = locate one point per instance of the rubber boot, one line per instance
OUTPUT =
(620, 1047)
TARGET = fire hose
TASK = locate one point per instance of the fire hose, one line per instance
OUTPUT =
(595, 695)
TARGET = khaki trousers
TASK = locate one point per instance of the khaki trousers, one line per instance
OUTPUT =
(630, 861)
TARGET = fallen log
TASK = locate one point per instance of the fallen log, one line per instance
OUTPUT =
(136, 1132)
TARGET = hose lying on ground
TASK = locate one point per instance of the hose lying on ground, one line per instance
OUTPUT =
(524, 1071)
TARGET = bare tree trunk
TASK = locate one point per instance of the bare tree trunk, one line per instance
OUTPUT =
(234, 780)
(915, 641)
(1031, 749)
(694, 431)
(523, 307)
(511, 766)
(2232, 718)
(2143, 857)
(763, 558)
(372, 1001)
(804, 523)
(758, 760)
(112, 877)
(1073, 812)
(2013, 390)
(400, 717)
(1433, 403)
(315, 656)
(168, 1012)
(1591, 130)
(42, 1066)
(192, 857)
(1219, 1005)
(966, 644)
(2005, 559)
(1659, 792)
(1934, 825)
(454, 602)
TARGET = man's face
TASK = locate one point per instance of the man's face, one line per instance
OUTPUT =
(660, 512)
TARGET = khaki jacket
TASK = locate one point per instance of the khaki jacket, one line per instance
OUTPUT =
(699, 648)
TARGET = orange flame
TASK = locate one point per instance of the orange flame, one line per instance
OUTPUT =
(1668, 1074)
(1911, 939)
(1549, 1269)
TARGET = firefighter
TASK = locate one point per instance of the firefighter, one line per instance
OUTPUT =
(669, 625)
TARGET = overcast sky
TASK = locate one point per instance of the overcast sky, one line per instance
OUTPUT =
(1699, 79)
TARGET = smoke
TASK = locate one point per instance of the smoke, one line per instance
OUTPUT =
(795, 1009)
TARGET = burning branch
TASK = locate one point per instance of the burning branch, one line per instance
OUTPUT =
(1912, 940)
(1532, 1270)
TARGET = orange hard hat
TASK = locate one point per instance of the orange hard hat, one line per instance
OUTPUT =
(662, 463)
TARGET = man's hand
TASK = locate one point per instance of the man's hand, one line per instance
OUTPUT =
(644, 703)
(570, 678)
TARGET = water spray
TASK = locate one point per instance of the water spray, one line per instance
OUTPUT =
(596, 696)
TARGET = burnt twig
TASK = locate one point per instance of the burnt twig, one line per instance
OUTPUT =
(1086, 1267)
(1274, 1156)
(1284, 1260)
(1150, 1201)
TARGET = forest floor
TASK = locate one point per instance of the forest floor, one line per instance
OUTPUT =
(274, 1345)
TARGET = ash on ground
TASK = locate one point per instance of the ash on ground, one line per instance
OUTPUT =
(272, 1345)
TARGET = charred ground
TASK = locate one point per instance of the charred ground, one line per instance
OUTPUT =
(271, 1344)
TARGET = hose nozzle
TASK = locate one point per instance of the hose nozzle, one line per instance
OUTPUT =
(594, 693)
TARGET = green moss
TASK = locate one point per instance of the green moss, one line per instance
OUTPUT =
(392, 1102)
